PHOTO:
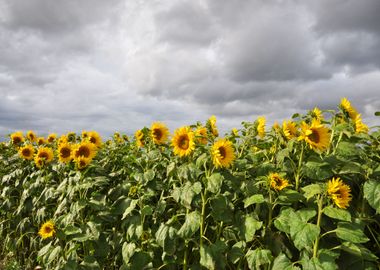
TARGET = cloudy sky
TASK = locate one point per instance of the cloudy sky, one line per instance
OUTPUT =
(118, 65)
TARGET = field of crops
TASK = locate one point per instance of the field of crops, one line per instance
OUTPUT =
(301, 194)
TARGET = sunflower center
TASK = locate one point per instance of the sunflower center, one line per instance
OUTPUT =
(222, 152)
(93, 140)
(277, 181)
(16, 140)
(157, 133)
(314, 136)
(43, 155)
(26, 152)
(83, 151)
(65, 152)
(48, 229)
(183, 142)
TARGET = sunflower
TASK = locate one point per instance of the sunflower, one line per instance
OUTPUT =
(235, 132)
(139, 138)
(94, 138)
(63, 139)
(201, 135)
(159, 133)
(45, 153)
(316, 135)
(339, 192)
(84, 134)
(211, 126)
(17, 137)
(183, 141)
(276, 126)
(41, 140)
(360, 127)
(32, 137)
(277, 182)
(222, 153)
(346, 106)
(85, 149)
(64, 152)
(261, 126)
(52, 137)
(47, 229)
(71, 136)
(82, 162)
(26, 152)
(290, 130)
(317, 114)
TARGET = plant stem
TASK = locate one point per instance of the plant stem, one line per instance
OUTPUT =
(270, 209)
(203, 211)
(298, 175)
(185, 256)
(320, 210)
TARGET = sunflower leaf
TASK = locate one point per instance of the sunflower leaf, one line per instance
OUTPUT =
(371, 191)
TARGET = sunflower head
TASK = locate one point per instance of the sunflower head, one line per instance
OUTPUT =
(261, 126)
(348, 109)
(47, 230)
(277, 182)
(94, 138)
(339, 192)
(140, 138)
(84, 134)
(290, 129)
(64, 152)
(211, 126)
(32, 137)
(85, 149)
(360, 127)
(41, 141)
(222, 153)
(159, 133)
(26, 152)
(276, 126)
(52, 137)
(201, 135)
(45, 153)
(71, 136)
(82, 162)
(316, 135)
(17, 138)
(317, 114)
(183, 141)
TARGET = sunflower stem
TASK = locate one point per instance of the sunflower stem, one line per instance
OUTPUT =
(320, 210)
(270, 209)
(298, 175)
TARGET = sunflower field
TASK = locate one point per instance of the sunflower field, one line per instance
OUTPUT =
(302, 194)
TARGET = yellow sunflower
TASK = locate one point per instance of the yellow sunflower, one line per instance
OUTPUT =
(41, 141)
(261, 126)
(45, 153)
(317, 114)
(290, 129)
(94, 138)
(52, 137)
(40, 162)
(63, 139)
(64, 152)
(222, 153)
(139, 135)
(360, 127)
(47, 229)
(84, 134)
(339, 192)
(201, 135)
(84, 149)
(82, 162)
(277, 182)
(32, 137)
(316, 135)
(346, 106)
(26, 152)
(17, 137)
(211, 125)
(183, 141)
(159, 132)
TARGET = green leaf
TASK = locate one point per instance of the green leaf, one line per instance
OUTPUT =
(258, 257)
(70, 229)
(149, 175)
(89, 262)
(130, 208)
(371, 191)
(206, 258)
(191, 225)
(311, 264)
(317, 170)
(214, 182)
(351, 232)
(311, 190)
(251, 225)
(337, 213)
(147, 210)
(222, 209)
(257, 198)
(127, 251)
(237, 252)
(304, 234)
(290, 196)
(53, 254)
(347, 150)
(44, 250)
(377, 113)
(359, 251)
(282, 263)
(140, 260)
(165, 238)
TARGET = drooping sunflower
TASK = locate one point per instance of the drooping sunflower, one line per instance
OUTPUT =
(222, 153)
(360, 127)
(17, 138)
(47, 229)
(277, 182)
(316, 135)
(41, 141)
(339, 192)
(211, 126)
(82, 162)
(139, 135)
(350, 110)
(45, 153)
(183, 141)
(317, 114)
(201, 135)
(261, 126)
(159, 132)
(26, 152)
(94, 138)
(52, 137)
(72, 136)
(290, 129)
(64, 152)
(32, 137)
(84, 149)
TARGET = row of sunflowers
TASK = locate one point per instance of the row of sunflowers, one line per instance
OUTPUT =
(300, 195)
